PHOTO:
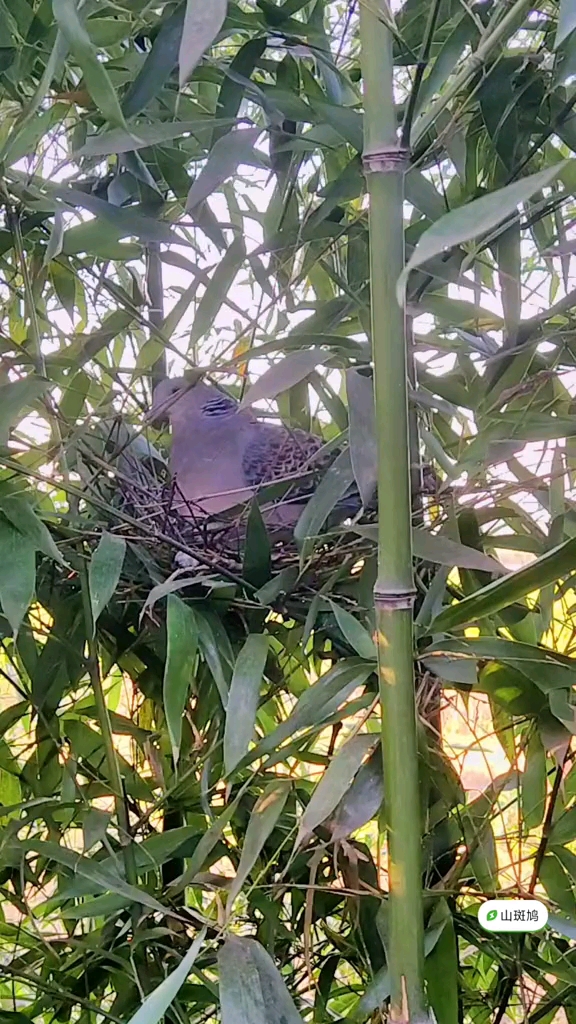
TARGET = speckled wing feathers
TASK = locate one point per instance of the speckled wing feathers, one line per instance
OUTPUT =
(275, 453)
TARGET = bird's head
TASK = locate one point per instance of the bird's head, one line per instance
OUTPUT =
(166, 395)
(188, 397)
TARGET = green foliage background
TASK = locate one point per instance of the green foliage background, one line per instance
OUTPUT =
(197, 754)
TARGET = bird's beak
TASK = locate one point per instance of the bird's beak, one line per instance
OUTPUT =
(157, 415)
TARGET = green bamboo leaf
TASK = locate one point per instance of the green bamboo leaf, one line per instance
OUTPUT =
(100, 238)
(207, 843)
(17, 573)
(564, 828)
(480, 838)
(362, 800)
(16, 396)
(362, 433)
(357, 636)
(377, 992)
(420, 192)
(23, 517)
(64, 283)
(265, 814)
(123, 220)
(334, 784)
(89, 869)
(533, 783)
(202, 24)
(158, 66)
(25, 139)
(441, 973)
(94, 827)
(511, 689)
(252, 990)
(546, 668)
(56, 240)
(217, 652)
(140, 136)
(319, 701)
(445, 62)
(155, 1005)
(346, 121)
(336, 481)
(283, 375)
(476, 218)
(234, 148)
(104, 573)
(557, 884)
(182, 631)
(106, 32)
(149, 855)
(217, 290)
(498, 595)
(435, 547)
(101, 906)
(243, 699)
(95, 75)
(232, 92)
(566, 21)
(257, 561)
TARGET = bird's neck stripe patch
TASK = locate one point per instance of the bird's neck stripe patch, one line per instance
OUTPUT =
(219, 407)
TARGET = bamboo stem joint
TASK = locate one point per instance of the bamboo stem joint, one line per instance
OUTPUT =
(394, 600)
(385, 159)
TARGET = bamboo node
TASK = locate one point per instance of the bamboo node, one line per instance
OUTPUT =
(385, 160)
(394, 600)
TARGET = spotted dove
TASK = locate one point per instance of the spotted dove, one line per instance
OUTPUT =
(222, 453)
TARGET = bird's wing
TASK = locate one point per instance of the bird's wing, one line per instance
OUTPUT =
(275, 453)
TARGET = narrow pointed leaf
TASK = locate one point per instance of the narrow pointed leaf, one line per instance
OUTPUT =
(331, 489)
(441, 972)
(234, 148)
(252, 990)
(362, 433)
(217, 290)
(141, 136)
(290, 370)
(96, 77)
(23, 517)
(265, 814)
(533, 783)
(155, 1005)
(14, 397)
(334, 783)
(202, 24)
(104, 572)
(17, 573)
(319, 701)
(476, 218)
(357, 636)
(207, 843)
(243, 699)
(434, 547)
(498, 595)
(158, 66)
(182, 630)
(362, 800)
